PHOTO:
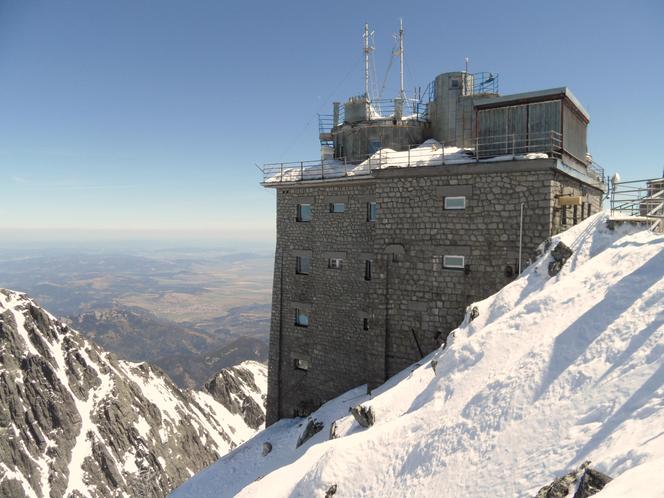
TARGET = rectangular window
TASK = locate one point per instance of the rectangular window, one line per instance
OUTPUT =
(365, 324)
(334, 263)
(372, 211)
(563, 215)
(574, 214)
(368, 269)
(337, 207)
(454, 262)
(301, 364)
(583, 210)
(302, 265)
(458, 202)
(301, 318)
(303, 212)
(589, 209)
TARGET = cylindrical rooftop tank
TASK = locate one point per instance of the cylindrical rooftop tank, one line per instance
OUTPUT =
(450, 112)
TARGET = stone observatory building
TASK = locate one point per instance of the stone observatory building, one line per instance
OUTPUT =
(418, 207)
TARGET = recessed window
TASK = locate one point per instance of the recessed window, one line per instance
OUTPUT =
(458, 202)
(337, 207)
(575, 215)
(303, 212)
(563, 215)
(301, 364)
(365, 324)
(368, 269)
(302, 265)
(372, 211)
(454, 262)
(455, 84)
(301, 318)
(589, 209)
(334, 263)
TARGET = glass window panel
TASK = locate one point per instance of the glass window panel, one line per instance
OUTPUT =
(455, 202)
(453, 262)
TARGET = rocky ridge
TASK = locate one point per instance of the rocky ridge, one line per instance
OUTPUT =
(76, 421)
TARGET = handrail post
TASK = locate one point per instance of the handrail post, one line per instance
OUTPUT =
(513, 143)
(477, 149)
(380, 158)
(345, 167)
(301, 170)
(409, 155)
(281, 177)
(442, 158)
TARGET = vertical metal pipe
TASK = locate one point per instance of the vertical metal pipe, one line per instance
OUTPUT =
(520, 237)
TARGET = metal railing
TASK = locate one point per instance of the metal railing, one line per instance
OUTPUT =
(378, 110)
(485, 149)
(639, 199)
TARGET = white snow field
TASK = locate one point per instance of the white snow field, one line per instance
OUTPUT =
(553, 372)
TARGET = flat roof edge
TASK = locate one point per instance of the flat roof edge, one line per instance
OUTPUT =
(562, 91)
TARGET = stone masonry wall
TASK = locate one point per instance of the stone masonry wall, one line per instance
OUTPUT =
(412, 302)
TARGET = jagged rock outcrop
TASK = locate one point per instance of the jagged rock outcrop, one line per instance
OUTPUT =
(584, 481)
(236, 388)
(363, 415)
(560, 255)
(76, 421)
(312, 428)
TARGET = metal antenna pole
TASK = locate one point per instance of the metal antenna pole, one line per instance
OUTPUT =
(366, 60)
(402, 94)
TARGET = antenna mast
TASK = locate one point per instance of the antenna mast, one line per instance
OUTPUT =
(367, 50)
(402, 93)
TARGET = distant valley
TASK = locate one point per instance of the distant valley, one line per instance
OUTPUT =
(189, 311)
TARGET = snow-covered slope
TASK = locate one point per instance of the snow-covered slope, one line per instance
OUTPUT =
(553, 371)
(76, 421)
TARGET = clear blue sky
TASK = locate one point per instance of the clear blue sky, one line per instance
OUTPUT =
(145, 118)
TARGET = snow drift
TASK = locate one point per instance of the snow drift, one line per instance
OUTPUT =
(554, 371)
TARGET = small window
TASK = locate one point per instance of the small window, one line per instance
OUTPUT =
(583, 210)
(454, 262)
(302, 265)
(301, 318)
(372, 211)
(455, 84)
(589, 209)
(301, 364)
(334, 263)
(368, 270)
(303, 212)
(574, 214)
(365, 324)
(458, 202)
(337, 207)
(563, 215)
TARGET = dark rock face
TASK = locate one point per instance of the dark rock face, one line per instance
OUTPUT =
(585, 481)
(267, 448)
(363, 415)
(76, 421)
(331, 491)
(312, 428)
(232, 387)
(560, 255)
(592, 482)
